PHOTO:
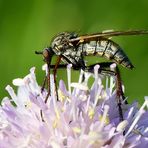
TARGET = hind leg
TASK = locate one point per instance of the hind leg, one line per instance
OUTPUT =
(105, 68)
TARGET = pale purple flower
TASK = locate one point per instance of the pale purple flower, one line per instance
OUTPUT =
(84, 117)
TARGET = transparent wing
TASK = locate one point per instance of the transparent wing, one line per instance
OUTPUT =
(108, 34)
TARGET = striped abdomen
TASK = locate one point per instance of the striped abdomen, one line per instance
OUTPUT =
(108, 49)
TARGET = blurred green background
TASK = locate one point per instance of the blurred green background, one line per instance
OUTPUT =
(29, 25)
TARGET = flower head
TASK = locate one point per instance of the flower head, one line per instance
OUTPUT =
(83, 117)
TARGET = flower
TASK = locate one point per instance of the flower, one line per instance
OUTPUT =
(83, 117)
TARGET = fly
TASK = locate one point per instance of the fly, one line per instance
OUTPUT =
(71, 48)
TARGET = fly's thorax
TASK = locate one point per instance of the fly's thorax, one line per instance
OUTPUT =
(72, 55)
(108, 49)
(61, 42)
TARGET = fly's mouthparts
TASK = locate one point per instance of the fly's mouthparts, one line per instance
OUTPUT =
(38, 52)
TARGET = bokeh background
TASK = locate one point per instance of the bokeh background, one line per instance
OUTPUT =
(29, 25)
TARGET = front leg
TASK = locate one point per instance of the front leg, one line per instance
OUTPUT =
(47, 80)
(55, 73)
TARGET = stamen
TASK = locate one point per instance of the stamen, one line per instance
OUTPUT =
(96, 68)
(113, 66)
(79, 86)
(69, 77)
(53, 92)
(18, 82)
(12, 94)
(145, 103)
(112, 83)
(44, 68)
(81, 76)
(54, 99)
(139, 114)
(122, 125)
(106, 109)
(87, 76)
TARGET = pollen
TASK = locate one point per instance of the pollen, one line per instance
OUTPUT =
(91, 113)
(57, 113)
(55, 123)
(61, 95)
(28, 104)
(77, 130)
(122, 125)
(106, 121)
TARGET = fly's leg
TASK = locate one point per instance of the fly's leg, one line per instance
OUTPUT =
(119, 85)
(105, 67)
(54, 74)
(44, 83)
(48, 84)
(47, 58)
(47, 80)
(120, 94)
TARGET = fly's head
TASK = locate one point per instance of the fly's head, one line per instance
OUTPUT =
(59, 45)
(61, 42)
(47, 54)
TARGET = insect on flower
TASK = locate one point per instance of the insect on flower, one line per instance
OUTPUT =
(71, 48)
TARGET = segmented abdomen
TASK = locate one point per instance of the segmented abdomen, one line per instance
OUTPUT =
(108, 49)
